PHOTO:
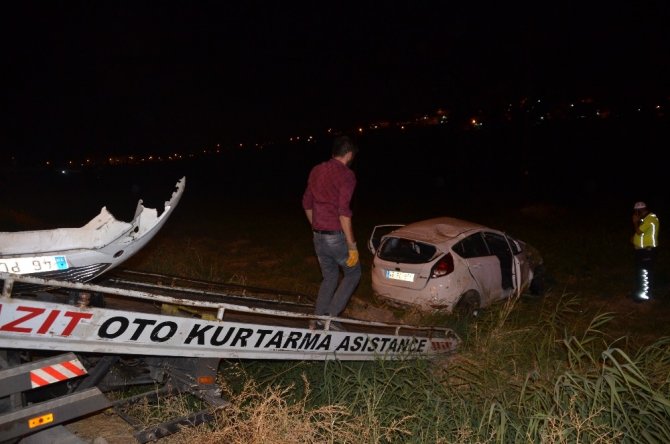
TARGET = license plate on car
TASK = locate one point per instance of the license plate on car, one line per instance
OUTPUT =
(35, 264)
(399, 275)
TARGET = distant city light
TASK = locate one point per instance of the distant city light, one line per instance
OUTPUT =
(530, 108)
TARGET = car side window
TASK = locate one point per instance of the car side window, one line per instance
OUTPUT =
(497, 243)
(471, 246)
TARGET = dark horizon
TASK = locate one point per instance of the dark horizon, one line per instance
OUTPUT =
(525, 116)
(573, 162)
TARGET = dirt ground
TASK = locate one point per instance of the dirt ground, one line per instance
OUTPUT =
(104, 427)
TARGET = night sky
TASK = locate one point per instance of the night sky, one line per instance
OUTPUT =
(136, 76)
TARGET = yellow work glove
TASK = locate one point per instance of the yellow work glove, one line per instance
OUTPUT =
(352, 260)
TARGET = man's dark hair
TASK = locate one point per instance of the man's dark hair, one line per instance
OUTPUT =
(343, 145)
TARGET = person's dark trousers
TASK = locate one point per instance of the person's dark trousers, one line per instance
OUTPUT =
(334, 294)
(645, 259)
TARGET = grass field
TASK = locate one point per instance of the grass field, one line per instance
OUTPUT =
(584, 363)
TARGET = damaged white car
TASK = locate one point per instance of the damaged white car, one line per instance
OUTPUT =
(451, 265)
(82, 254)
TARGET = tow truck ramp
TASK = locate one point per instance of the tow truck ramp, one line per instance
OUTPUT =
(160, 324)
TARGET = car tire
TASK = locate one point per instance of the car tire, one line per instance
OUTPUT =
(468, 305)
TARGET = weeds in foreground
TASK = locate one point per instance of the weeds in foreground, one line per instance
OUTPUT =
(551, 380)
(265, 415)
(148, 412)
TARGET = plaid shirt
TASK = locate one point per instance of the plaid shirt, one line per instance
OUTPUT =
(328, 194)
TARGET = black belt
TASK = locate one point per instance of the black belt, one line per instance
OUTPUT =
(327, 231)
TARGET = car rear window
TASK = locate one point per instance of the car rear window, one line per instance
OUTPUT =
(397, 249)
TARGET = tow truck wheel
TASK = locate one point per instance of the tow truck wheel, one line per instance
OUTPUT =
(8, 359)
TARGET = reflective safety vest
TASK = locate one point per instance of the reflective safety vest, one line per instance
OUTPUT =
(649, 227)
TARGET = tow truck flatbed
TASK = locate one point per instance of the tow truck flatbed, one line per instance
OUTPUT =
(73, 326)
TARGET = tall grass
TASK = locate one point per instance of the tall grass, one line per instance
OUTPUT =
(551, 381)
(587, 369)
(563, 368)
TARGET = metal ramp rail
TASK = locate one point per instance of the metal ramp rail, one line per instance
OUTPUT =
(134, 322)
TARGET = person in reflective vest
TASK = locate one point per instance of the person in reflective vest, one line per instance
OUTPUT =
(645, 242)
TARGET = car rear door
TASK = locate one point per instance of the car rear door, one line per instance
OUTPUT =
(522, 268)
(484, 267)
(405, 263)
(510, 268)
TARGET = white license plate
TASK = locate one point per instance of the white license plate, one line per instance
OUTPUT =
(35, 264)
(399, 276)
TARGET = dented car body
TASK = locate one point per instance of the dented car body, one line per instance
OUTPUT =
(82, 254)
(451, 265)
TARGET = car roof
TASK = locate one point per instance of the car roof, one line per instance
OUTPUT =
(437, 230)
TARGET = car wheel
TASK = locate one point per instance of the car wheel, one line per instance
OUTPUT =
(468, 306)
